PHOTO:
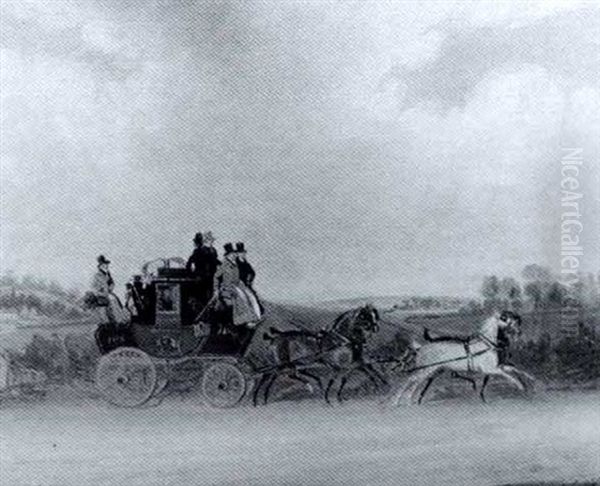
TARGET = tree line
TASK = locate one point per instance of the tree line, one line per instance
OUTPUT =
(539, 289)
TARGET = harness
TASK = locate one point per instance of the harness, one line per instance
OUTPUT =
(491, 346)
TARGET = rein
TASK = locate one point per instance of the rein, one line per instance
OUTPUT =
(332, 331)
(492, 346)
(461, 358)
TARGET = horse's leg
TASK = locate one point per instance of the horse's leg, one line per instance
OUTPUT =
(525, 378)
(296, 376)
(456, 374)
(486, 379)
(261, 382)
(344, 380)
(378, 376)
(312, 376)
(397, 396)
(365, 370)
(430, 380)
(516, 371)
(341, 388)
(270, 383)
(421, 376)
(508, 377)
(329, 386)
(412, 382)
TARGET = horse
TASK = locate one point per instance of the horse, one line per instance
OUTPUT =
(503, 345)
(282, 345)
(338, 348)
(351, 331)
(476, 354)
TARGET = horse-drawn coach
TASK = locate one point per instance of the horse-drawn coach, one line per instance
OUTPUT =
(171, 342)
(174, 340)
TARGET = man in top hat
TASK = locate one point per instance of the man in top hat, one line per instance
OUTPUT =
(203, 264)
(107, 302)
(227, 276)
(212, 259)
(233, 293)
(247, 273)
(194, 264)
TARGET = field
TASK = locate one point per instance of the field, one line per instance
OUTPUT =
(553, 437)
(70, 439)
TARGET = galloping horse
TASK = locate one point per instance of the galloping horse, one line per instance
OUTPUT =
(351, 331)
(283, 345)
(338, 348)
(476, 354)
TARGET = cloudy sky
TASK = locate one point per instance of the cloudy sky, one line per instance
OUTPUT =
(357, 148)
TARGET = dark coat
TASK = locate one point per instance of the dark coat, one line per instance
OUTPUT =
(203, 263)
(247, 273)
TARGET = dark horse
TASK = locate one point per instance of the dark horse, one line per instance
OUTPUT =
(339, 348)
(351, 331)
(283, 346)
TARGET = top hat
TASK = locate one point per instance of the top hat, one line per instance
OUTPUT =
(228, 247)
(102, 260)
(240, 248)
(198, 238)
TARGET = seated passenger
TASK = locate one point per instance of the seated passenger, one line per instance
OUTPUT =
(135, 301)
(108, 304)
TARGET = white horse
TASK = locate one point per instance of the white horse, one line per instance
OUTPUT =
(476, 354)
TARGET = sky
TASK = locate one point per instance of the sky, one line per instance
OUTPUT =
(357, 148)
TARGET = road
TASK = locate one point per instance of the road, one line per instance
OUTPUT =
(81, 442)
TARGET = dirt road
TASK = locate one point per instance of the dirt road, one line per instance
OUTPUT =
(552, 437)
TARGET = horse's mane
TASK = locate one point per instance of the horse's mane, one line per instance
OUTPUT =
(343, 318)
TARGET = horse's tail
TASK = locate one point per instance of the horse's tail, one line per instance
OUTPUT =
(427, 335)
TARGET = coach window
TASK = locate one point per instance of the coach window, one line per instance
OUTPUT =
(167, 299)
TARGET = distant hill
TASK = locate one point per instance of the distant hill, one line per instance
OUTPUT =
(398, 302)
(30, 303)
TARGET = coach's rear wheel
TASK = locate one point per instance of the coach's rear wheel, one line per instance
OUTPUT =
(126, 377)
(223, 385)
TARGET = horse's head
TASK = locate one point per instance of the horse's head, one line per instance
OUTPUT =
(510, 323)
(368, 318)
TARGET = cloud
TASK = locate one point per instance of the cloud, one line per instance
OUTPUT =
(129, 126)
(32, 37)
(565, 45)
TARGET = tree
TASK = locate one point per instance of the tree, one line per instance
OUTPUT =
(537, 273)
(539, 279)
(591, 290)
(533, 290)
(490, 290)
(8, 279)
(556, 294)
(510, 294)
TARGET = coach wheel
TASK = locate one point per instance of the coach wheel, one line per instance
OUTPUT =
(223, 385)
(126, 377)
